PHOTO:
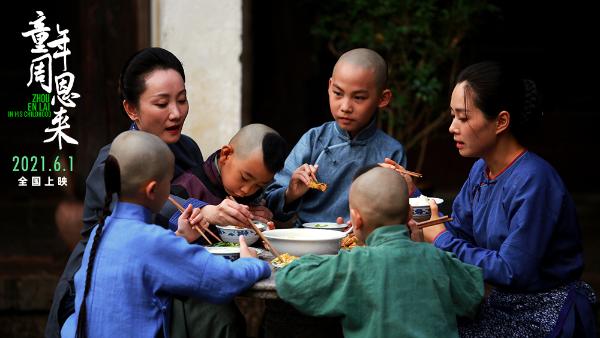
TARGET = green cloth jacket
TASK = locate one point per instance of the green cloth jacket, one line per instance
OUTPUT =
(393, 287)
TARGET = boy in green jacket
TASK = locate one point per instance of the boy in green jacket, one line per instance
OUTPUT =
(392, 287)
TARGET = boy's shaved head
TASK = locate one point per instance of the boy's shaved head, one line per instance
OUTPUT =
(142, 157)
(368, 59)
(259, 137)
(381, 197)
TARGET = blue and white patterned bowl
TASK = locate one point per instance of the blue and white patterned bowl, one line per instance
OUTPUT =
(231, 234)
(420, 207)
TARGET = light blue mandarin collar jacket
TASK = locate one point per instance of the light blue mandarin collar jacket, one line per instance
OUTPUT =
(339, 156)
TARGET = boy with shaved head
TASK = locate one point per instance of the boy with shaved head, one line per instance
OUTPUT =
(241, 169)
(334, 151)
(132, 269)
(392, 287)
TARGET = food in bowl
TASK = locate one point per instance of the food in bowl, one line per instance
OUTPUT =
(420, 207)
(231, 233)
(302, 241)
(325, 225)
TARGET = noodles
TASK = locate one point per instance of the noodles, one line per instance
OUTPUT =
(349, 242)
(283, 260)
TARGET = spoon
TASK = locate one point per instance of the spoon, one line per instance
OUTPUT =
(349, 230)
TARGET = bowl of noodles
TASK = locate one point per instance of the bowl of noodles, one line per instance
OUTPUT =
(301, 241)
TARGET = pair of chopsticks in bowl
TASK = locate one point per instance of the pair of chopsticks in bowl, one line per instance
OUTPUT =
(195, 227)
(258, 232)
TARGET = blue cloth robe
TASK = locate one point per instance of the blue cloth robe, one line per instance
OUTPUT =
(521, 228)
(187, 155)
(140, 266)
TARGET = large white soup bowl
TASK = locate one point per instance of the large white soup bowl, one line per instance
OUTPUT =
(299, 241)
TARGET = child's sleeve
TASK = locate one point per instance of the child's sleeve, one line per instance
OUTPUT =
(313, 286)
(189, 270)
(175, 216)
(466, 285)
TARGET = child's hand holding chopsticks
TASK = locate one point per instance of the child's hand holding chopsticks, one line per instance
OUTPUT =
(184, 225)
(228, 212)
(300, 181)
(193, 217)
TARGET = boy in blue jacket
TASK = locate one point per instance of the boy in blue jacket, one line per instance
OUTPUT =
(333, 152)
(131, 269)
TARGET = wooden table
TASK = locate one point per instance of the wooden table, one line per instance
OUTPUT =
(264, 289)
(283, 320)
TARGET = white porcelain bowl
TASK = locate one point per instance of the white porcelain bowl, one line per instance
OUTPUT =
(300, 241)
(231, 234)
(420, 207)
(230, 252)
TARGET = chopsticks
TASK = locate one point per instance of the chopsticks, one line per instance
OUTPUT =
(402, 171)
(195, 227)
(431, 222)
(410, 173)
(259, 233)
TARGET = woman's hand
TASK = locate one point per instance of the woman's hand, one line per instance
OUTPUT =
(430, 233)
(391, 164)
(184, 225)
(245, 251)
(298, 185)
(228, 212)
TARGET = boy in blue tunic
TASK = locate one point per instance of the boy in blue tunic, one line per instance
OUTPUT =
(357, 88)
(131, 269)
(392, 287)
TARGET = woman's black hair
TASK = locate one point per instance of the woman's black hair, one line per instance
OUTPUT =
(495, 89)
(112, 183)
(132, 78)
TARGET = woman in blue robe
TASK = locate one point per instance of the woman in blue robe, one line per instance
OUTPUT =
(513, 217)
